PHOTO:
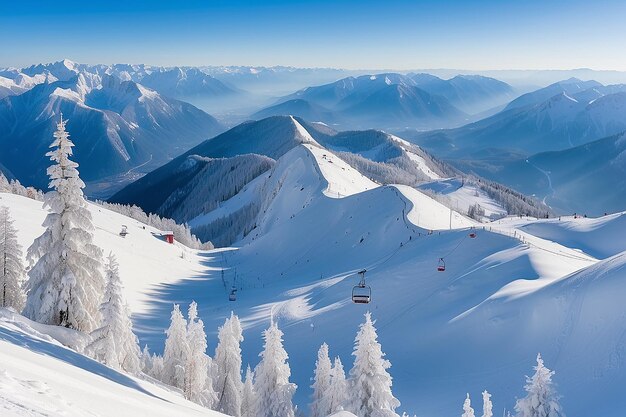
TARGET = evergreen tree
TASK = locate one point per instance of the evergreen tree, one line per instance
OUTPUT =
(541, 399)
(248, 395)
(228, 385)
(321, 384)
(371, 383)
(157, 371)
(487, 406)
(146, 361)
(271, 377)
(5, 186)
(65, 284)
(468, 411)
(114, 342)
(176, 350)
(197, 386)
(338, 397)
(11, 267)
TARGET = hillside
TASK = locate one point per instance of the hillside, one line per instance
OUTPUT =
(459, 320)
(41, 377)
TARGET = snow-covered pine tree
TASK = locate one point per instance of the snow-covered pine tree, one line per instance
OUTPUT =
(541, 399)
(114, 342)
(271, 377)
(157, 371)
(5, 185)
(487, 405)
(338, 398)
(65, 284)
(228, 385)
(248, 395)
(468, 411)
(370, 381)
(321, 384)
(176, 350)
(146, 361)
(197, 383)
(12, 270)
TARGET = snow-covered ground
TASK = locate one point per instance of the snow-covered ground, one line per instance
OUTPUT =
(519, 287)
(41, 377)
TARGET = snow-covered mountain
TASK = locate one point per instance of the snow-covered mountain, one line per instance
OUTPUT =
(521, 286)
(471, 93)
(194, 187)
(380, 101)
(564, 120)
(570, 87)
(587, 179)
(117, 126)
(301, 108)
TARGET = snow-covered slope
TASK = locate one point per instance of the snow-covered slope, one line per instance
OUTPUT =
(146, 261)
(505, 294)
(41, 377)
(271, 137)
(118, 127)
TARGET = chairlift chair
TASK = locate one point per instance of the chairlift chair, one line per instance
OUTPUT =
(361, 293)
(472, 235)
(233, 294)
(442, 265)
(124, 231)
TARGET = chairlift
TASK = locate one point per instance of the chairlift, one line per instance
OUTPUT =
(361, 293)
(124, 231)
(442, 265)
(233, 294)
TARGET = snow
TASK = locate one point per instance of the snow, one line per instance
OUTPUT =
(463, 195)
(40, 377)
(146, 261)
(521, 286)
(343, 180)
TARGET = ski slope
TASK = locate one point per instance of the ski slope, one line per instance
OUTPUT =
(41, 377)
(521, 286)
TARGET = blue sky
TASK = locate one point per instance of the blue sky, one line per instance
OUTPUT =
(477, 34)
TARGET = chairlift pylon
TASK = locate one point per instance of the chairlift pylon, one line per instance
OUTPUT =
(361, 293)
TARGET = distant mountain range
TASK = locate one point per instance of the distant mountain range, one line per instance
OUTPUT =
(394, 101)
(117, 126)
(557, 117)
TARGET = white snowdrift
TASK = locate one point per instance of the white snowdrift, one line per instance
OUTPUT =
(40, 377)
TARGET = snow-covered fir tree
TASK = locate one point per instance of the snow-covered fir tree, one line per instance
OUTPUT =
(228, 385)
(65, 284)
(12, 270)
(146, 361)
(370, 381)
(114, 342)
(468, 411)
(338, 396)
(487, 405)
(176, 350)
(321, 384)
(197, 382)
(248, 395)
(157, 371)
(271, 377)
(541, 399)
